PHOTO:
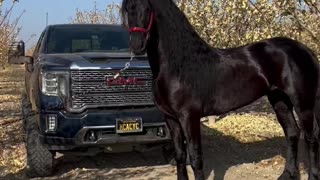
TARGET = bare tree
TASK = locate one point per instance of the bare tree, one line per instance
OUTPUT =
(110, 15)
(9, 30)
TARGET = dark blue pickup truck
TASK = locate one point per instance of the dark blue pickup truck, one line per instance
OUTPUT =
(73, 102)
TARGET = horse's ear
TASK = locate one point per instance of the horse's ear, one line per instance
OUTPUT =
(123, 14)
(176, 1)
(123, 4)
(150, 3)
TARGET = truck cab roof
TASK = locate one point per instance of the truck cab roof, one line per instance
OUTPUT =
(85, 25)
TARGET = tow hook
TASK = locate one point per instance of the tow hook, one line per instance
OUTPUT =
(92, 136)
(160, 132)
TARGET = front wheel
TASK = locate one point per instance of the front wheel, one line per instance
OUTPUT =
(168, 154)
(39, 158)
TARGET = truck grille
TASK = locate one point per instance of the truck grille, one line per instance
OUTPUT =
(89, 89)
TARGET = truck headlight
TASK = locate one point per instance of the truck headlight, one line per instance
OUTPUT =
(54, 83)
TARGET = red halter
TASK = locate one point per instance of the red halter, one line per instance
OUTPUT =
(139, 29)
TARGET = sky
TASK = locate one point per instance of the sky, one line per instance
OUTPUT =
(33, 20)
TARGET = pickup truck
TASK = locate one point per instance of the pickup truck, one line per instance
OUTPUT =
(74, 103)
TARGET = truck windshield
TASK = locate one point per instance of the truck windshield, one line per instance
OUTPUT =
(87, 39)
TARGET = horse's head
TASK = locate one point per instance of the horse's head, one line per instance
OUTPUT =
(137, 15)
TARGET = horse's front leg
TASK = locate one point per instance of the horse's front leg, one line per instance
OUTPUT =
(180, 149)
(190, 123)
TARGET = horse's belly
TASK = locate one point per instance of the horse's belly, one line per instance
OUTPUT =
(236, 94)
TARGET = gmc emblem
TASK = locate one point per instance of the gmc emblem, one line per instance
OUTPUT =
(125, 81)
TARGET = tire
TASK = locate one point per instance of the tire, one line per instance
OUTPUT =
(39, 158)
(168, 154)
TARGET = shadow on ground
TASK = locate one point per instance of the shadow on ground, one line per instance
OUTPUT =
(220, 153)
(105, 166)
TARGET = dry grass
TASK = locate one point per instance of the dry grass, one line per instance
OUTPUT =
(249, 127)
(12, 151)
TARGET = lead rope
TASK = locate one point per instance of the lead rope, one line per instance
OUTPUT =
(127, 65)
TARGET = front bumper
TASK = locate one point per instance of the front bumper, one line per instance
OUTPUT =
(97, 128)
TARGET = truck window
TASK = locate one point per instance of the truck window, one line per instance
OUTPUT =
(87, 39)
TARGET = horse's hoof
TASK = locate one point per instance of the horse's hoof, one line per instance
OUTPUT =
(289, 176)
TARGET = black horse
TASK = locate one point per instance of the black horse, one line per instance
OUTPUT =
(193, 80)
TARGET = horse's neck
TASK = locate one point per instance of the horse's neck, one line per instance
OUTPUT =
(175, 40)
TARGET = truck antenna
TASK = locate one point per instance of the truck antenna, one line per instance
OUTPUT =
(47, 18)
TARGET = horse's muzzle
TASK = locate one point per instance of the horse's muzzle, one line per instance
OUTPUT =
(138, 43)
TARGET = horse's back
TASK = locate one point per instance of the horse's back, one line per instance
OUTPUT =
(281, 56)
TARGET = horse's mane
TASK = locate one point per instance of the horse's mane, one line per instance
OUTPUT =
(191, 58)
(177, 28)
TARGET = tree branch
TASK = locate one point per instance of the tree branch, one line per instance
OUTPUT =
(314, 37)
(6, 14)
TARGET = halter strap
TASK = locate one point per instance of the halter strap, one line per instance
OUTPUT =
(143, 30)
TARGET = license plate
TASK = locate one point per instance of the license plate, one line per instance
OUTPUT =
(129, 125)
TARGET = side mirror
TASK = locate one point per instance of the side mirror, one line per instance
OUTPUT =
(16, 54)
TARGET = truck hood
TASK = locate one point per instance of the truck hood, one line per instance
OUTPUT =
(92, 60)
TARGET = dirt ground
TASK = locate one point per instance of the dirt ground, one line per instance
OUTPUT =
(244, 145)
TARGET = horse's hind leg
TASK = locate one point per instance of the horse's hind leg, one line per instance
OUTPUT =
(306, 108)
(180, 149)
(283, 109)
(308, 121)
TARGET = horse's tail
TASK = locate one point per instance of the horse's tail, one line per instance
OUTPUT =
(317, 103)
